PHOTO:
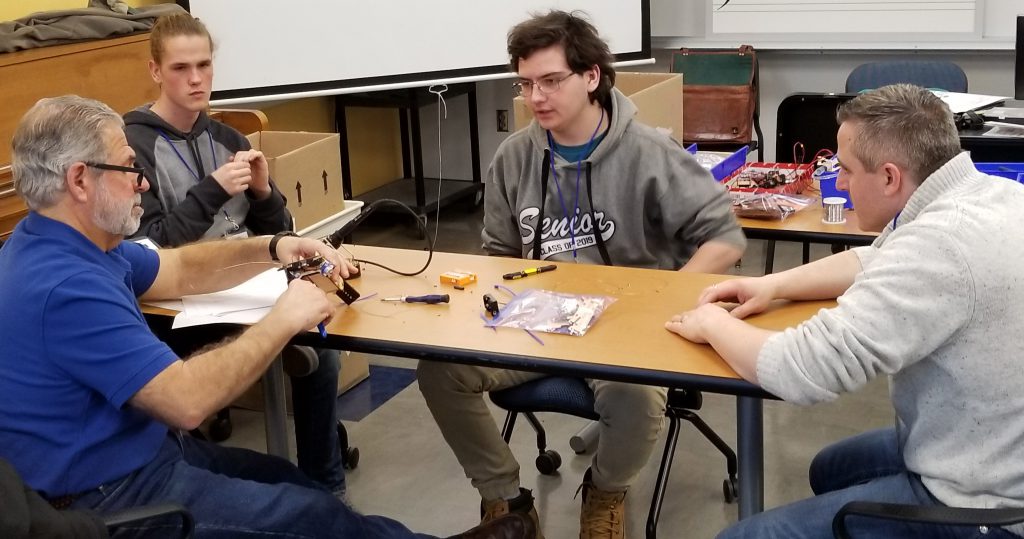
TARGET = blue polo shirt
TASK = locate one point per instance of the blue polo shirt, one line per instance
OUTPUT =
(74, 347)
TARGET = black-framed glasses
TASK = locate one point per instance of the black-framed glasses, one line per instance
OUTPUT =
(547, 85)
(139, 171)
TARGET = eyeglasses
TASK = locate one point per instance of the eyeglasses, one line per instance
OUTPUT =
(547, 85)
(139, 171)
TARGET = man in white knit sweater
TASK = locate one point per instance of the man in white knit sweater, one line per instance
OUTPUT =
(936, 303)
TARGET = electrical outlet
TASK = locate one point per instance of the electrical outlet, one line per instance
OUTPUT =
(502, 121)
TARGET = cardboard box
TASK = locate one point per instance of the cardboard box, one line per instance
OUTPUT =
(658, 98)
(307, 169)
(355, 367)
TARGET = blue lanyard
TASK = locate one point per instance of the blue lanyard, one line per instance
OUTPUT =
(579, 168)
(195, 173)
(199, 164)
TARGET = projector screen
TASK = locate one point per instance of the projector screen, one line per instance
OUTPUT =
(268, 49)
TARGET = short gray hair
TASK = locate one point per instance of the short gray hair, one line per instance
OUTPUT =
(54, 134)
(902, 124)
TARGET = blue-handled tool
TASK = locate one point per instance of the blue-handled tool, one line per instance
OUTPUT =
(429, 299)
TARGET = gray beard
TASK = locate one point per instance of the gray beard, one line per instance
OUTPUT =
(114, 218)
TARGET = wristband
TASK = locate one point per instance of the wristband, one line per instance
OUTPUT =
(273, 243)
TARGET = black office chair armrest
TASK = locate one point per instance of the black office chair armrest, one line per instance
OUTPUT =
(138, 514)
(949, 516)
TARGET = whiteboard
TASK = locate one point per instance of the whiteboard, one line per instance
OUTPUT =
(837, 24)
(844, 17)
(271, 49)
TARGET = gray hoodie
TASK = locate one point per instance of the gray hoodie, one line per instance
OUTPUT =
(652, 203)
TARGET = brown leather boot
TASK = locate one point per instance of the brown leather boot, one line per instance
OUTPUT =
(510, 526)
(603, 515)
(522, 504)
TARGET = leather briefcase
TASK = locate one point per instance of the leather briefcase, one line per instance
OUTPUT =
(720, 93)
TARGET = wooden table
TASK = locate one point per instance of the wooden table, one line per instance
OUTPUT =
(628, 343)
(805, 226)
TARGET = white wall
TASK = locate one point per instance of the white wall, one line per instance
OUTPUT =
(782, 74)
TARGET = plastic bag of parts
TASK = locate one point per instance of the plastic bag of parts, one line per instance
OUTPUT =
(551, 312)
(772, 206)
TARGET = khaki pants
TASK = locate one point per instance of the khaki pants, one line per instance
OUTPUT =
(631, 420)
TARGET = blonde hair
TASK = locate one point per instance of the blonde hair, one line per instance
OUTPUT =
(174, 25)
(905, 124)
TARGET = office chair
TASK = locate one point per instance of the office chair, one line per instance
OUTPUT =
(928, 74)
(572, 396)
(950, 516)
(26, 514)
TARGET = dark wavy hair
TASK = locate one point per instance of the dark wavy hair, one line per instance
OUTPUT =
(584, 48)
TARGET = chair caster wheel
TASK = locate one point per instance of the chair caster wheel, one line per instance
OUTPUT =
(350, 458)
(548, 462)
(220, 429)
(729, 489)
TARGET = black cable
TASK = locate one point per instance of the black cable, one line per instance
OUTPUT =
(335, 239)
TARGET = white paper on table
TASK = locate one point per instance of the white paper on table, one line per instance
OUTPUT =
(260, 292)
(248, 317)
(1002, 129)
(959, 102)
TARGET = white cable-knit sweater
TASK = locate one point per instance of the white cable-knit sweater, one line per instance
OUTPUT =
(938, 306)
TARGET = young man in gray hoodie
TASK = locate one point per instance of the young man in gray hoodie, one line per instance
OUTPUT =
(936, 303)
(206, 182)
(583, 182)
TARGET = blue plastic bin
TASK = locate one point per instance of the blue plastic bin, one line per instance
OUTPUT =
(730, 164)
(827, 184)
(1013, 171)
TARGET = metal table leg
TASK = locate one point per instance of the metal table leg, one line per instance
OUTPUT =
(750, 442)
(275, 414)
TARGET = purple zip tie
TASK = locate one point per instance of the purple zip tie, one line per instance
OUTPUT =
(365, 297)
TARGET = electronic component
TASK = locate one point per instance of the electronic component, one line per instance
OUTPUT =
(491, 305)
(317, 270)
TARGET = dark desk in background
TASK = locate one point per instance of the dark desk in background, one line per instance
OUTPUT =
(413, 189)
(810, 119)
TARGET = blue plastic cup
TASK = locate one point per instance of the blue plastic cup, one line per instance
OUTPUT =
(827, 184)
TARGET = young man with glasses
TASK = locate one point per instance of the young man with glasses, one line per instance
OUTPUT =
(207, 182)
(584, 182)
(92, 401)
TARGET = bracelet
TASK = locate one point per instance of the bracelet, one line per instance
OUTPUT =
(273, 243)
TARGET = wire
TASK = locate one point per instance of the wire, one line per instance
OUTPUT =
(338, 236)
(439, 90)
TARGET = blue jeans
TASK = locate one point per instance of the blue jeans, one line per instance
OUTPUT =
(314, 400)
(866, 467)
(232, 493)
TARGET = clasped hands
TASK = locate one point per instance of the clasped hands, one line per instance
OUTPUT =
(246, 169)
(753, 295)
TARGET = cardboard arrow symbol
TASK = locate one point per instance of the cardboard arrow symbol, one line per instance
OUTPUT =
(325, 181)
(298, 192)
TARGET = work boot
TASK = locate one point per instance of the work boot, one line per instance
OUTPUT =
(510, 526)
(523, 504)
(603, 515)
(299, 361)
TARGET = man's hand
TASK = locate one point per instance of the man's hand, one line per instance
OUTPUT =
(291, 249)
(234, 176)
(693, 325)
(260, 183)
(753, 295)
(302, 307)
